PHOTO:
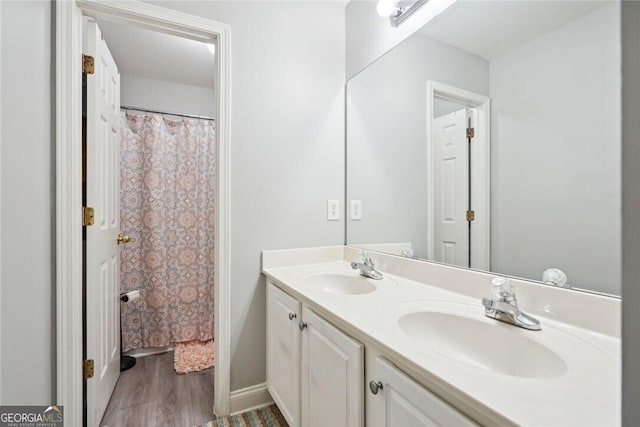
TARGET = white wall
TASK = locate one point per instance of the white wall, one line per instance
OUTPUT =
(386, 134)
(287, 147)
(556, 154)
(27, 326)
(368, 36)
(143, 92)
(287, 155)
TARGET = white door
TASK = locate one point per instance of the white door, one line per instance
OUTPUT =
(102, 258)
(332, 375)
(283, 353)
(451, 188)
(401, 402)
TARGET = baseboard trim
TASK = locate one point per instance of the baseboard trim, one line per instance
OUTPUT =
(249, 398)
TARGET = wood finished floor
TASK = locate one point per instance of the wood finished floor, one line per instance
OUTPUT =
(152, 394)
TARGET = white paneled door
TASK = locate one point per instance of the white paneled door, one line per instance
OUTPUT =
(451, 188)
(102, 258)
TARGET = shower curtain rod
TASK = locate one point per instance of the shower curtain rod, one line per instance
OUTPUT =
(126, 107)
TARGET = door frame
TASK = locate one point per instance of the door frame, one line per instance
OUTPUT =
(480, 173)
(68, 106)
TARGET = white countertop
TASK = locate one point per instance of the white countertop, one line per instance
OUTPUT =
(586, 393)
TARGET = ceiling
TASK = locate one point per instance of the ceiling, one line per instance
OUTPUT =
(503, 25)
(146, 53)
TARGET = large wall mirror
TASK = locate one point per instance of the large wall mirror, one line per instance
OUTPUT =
(490, 139)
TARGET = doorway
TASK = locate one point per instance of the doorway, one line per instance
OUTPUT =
(69, 17)
(150, 181)
(458, 176)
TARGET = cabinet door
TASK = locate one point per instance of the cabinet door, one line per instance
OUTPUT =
(401, 402)
(332, 375)
(283, 353)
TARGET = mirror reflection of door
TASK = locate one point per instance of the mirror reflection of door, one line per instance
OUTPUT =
(452, 190)
(458, 129)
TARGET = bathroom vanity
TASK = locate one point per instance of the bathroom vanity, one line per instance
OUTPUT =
(415, 347)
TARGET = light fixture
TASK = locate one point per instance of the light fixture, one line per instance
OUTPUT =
(398, 10)
(386, 8)
(212, 48)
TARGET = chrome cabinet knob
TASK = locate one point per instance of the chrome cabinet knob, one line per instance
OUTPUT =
(302, 325)
(292, 316)
(375, 386)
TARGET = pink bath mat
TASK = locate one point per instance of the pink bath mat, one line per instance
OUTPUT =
(192, 356)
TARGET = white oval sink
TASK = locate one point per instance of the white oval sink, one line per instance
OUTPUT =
(498, 348)
(342, 284)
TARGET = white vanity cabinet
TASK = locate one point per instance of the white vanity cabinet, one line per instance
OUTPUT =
(283, 352)
(315, 373)
(394, 400)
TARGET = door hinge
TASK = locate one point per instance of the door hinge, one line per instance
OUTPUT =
(471, 215)
(471, 132)
(87, 216)
(87, 64)
(87, 368)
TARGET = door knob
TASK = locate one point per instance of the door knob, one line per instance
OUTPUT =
(123, 238)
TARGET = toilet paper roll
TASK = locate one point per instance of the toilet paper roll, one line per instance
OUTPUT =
(130, 296)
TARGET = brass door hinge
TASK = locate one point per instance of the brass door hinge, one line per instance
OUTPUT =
(471, 132)
(87, 368)
(87, 64)
(471, 215)
(87, 216)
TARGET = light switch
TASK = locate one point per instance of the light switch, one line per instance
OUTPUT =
(333, 210)
(356, 210)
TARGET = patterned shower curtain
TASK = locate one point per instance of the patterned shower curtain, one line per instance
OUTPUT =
(167, 208)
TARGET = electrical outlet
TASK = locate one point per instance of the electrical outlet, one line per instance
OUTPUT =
(356, 210)
(333, 210)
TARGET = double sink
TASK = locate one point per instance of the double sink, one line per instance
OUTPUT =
(429, 321)
(457, 331)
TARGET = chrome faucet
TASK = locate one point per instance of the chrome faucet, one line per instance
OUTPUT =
(367, 267)
(505, 307)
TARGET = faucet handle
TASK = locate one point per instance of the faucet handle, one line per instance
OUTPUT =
(368, 261)
(502, 288)
(555, 277)
(366, 258)
(407, 253)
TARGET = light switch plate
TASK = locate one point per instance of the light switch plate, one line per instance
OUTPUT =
(333, 210)
(356, 210)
